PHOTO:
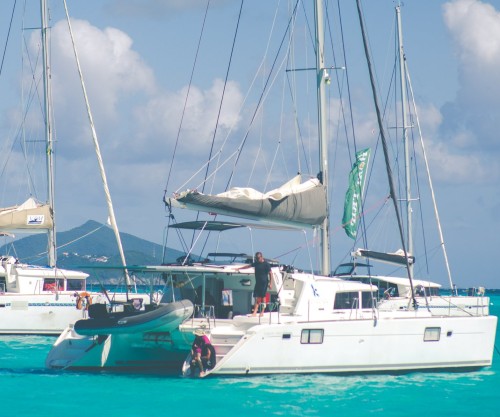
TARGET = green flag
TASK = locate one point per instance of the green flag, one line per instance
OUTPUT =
(352, 204)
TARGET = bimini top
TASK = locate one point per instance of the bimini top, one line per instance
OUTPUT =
(220, 226)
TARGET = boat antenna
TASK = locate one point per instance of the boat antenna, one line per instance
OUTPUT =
(385, 149)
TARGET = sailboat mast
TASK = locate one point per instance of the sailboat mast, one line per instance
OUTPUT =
(390, 179)
(402, 70)
(48, 132)
(111, 211)
(321, 77)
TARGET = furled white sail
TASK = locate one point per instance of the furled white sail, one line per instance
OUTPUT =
(28, 216)
(397, 257)
(297, 203)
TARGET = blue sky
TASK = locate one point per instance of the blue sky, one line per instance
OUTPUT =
(137, 58)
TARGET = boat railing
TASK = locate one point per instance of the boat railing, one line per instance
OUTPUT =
(202, 314)
(205, 311)
(273, 307)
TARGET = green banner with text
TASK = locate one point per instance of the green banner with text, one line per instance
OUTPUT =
(352, 204)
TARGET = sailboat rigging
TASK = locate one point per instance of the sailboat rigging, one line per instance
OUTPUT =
(309, 316)
(392, 188)
(109, 203)
(42, 299)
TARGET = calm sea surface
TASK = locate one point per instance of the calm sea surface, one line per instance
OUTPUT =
(28, 389)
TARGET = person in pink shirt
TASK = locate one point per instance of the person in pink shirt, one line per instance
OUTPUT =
(200, 351)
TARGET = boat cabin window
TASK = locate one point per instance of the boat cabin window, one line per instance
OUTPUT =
(346, 300)
(367, 299)
(75, 284)
(3, 284)
(432, 334)
(385, 289)
(51, 284)
(421, 291)
(344, 269)
(312, 336)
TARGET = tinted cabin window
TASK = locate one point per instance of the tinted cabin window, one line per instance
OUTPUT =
(312, 336)
(432, 334)
(346, 300)
(75, 284)
(384, 287)
(51, 284)
(367, 299)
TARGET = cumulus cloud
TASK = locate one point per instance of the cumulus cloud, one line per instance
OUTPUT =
(114, 74)
(111, 68)
(470, 123)
(161, 117)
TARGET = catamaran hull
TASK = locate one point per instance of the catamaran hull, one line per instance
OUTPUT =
(160, 347)
(359, 346)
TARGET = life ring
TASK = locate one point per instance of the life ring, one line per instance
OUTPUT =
(83, 300)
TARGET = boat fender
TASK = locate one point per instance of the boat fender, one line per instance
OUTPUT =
(83, 300)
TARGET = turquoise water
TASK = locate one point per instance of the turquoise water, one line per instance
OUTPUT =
(28, 389)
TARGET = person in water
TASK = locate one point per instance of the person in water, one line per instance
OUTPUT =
(200, 351)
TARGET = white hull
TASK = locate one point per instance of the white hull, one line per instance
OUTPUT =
(163, 347)
(355, 346)
(47, 313)
(327, 325)
(30, 304)
(38, 313)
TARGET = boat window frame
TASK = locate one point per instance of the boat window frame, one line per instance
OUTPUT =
(432, 334)
(353, 301)
(368, 300)
(70, 284)
(305, 336)
(53, 284)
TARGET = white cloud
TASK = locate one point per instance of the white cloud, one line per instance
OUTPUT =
(110, 66)
(475, 27)
(471, 121)
(113, 73)
(447, 162)
(160, 118)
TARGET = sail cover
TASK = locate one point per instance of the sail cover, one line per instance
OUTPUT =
(296, 203)
(397, 257)
(28, 216)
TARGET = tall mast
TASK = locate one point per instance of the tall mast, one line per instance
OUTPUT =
(390, 179)
(402, 70)
(321, 76)
(111, 211)
(51, 250)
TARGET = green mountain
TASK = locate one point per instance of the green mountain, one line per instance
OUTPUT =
(90, 245)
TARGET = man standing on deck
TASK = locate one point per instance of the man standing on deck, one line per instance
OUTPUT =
(263, 278)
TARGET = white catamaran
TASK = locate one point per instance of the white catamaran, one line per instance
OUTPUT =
(328, 324)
